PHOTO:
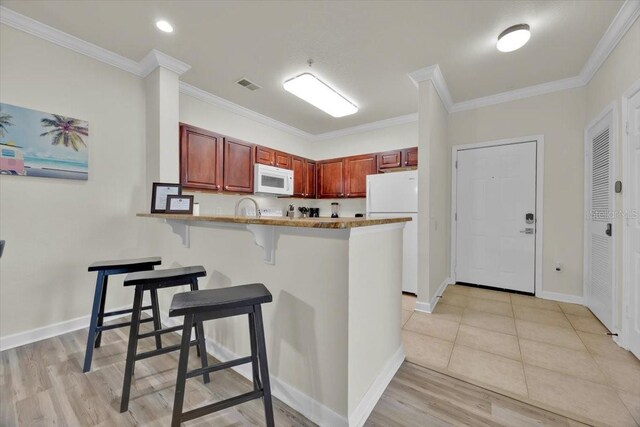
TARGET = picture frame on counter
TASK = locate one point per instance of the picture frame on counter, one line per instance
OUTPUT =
(179, 205)
(159, 194)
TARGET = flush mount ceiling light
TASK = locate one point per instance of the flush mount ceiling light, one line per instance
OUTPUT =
(308, 87)
(513, 38)
(164, 26)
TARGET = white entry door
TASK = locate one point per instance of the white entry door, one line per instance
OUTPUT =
(632, 223)
(598, 262)
(496, 214)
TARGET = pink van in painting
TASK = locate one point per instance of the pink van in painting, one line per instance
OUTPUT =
(11, 160)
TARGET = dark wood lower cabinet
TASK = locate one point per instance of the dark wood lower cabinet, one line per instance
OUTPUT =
(330, 183)
(200, 158)
(238, 166)
(356, 170)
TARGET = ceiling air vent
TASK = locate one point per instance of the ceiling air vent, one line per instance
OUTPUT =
(248, 84)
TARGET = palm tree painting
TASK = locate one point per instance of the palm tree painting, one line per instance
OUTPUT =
(5, 121)
(66, 130)
(40, 144)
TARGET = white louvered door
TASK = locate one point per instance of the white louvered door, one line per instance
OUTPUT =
(599, 287)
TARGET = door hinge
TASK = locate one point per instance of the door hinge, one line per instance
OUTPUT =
(456, 164)
(455, 216)
(626, 127)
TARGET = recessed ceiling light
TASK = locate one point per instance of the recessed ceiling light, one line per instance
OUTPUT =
(317, 93)
(513, 38)
(164, 26)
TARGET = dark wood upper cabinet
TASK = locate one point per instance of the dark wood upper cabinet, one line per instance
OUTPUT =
(331, 180)
(310, 179)
(390, 159)
(356, 170)
(265, 156)
(200, 158)
(283, 160)
(238, 166)
(298, 165)
(410, 157)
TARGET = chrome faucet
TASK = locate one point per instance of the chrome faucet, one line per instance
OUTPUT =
(254, 202)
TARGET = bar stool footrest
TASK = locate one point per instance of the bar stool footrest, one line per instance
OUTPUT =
(218, 406)
(119, 325)
(125, 311)
(160, 332)
(160, 351)
(218, 367)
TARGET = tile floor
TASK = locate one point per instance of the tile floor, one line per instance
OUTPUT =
(552, 354)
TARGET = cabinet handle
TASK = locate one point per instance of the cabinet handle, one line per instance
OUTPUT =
(226, 187)
(341, 194)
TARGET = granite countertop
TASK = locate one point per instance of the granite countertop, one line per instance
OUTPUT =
(283, 221)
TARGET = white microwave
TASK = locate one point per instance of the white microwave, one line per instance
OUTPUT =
(272, 180)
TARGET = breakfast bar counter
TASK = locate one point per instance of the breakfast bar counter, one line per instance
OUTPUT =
(335, 223)
(333, 332)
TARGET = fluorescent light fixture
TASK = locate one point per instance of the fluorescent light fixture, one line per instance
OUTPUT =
(513, 38)
(309, 88)
(164, 26)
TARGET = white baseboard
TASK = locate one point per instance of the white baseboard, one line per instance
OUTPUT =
(573, 299)
(49, 331)
(428, 307)
(307, 406)
(371, 397)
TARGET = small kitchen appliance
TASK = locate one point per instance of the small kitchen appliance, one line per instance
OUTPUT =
(335, 209)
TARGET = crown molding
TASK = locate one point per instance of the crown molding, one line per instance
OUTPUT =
(212, 99)
(43, 31)
(434, 74)
(155, 59)
(142, 68)
(623, 20)
(513, 95)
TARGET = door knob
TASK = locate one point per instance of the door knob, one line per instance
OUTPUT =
(609, 230)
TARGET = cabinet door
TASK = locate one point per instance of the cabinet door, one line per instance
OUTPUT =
(356, 170)
(238, 166)
(330, 179)
(310, 180)
(410, 156)
(390, 159)
(200, 158)
(298, 167)
(283, 160)
(265, 156)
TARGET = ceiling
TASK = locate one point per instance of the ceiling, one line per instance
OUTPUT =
(364, 49)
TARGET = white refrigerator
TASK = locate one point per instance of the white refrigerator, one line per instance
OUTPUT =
(395, 194)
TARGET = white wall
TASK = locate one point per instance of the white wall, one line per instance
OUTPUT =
(55, 228)
(618, 73)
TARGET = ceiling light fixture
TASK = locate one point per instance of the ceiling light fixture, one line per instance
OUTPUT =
(164, 26)
(308, 87)
(513, 38)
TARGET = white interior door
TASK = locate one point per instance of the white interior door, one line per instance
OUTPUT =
(632, 222)
(598, 261)
(496, 214)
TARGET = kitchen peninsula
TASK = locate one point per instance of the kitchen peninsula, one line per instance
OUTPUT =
(333, 332)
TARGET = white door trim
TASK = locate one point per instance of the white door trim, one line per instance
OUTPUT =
(625, 323)
(539, 140)
(586, 271)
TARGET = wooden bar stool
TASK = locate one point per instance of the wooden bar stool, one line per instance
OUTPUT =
(106, 269)
(152, 281)
(199, 306)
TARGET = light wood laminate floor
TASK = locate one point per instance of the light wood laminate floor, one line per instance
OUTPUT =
(42, 384)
